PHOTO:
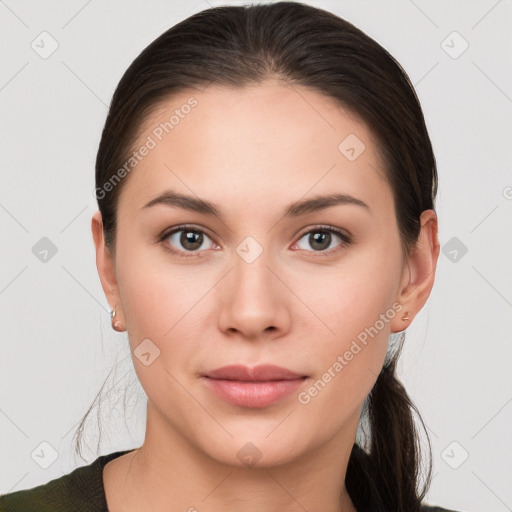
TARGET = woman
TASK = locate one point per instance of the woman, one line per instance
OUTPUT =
(266, 231)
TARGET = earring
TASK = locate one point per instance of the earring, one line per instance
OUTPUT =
(406, 316)
(116, 325)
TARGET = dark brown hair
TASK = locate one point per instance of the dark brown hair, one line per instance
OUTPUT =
(310, 47)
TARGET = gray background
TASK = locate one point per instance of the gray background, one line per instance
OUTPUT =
(57, 343)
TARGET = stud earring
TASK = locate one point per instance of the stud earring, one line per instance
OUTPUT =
(116, 325)
(406, 316)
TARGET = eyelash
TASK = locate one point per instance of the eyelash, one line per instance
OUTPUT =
(346, 239)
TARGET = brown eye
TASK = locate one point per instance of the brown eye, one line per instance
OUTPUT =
(320, 240)
(183, 240)
(191, 240)
(323, 239)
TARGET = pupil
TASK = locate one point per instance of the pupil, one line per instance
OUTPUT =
(321, 237)
(191, 237)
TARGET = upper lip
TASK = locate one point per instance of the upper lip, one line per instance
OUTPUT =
(259, 373)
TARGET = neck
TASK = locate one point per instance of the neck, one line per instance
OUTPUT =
(169, 473)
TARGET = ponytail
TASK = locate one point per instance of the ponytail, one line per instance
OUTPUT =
(389, 463)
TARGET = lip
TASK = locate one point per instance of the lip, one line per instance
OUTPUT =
(263, 372)
(259, 386)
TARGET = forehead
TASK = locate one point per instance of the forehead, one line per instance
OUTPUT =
(251, 142)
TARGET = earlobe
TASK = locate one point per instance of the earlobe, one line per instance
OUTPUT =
(421, 267)
(105, 264)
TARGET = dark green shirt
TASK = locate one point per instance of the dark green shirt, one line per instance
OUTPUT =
(81, 490)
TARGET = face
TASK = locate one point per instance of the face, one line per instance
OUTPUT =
(312, 290)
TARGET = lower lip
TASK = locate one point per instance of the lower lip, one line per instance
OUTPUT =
(253, 394)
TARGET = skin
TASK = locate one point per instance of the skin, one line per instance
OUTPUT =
(253, 151)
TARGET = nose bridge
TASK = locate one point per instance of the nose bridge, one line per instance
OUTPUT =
(253, 300)
(252, 278)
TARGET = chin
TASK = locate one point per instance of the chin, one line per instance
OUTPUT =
(256, 451)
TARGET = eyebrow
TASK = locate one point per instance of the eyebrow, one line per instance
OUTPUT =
(194, 204)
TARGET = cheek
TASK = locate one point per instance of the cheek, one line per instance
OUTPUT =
(166, 304)
(348, 362)
(147, 299)
(353, 298)
(355, 306)
(154, 292)
(160, 308)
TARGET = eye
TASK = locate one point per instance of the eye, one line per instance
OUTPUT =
(185, 239)
(321, 238)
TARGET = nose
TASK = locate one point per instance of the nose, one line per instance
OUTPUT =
(254, 300)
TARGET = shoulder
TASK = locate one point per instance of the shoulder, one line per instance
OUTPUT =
(431, 508)
(81, 491)
(362, 488)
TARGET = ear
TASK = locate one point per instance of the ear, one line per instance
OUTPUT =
(419, 272)
(105, 263)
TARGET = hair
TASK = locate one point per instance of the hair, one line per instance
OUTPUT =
(309, 47)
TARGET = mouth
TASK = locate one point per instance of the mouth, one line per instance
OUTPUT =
(255, 387)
